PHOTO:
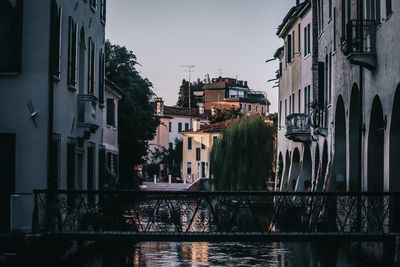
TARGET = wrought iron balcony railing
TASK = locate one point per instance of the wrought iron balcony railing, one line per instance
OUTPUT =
(298, 127)
(360, 43)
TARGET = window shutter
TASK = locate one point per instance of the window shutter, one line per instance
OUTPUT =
(321, 85)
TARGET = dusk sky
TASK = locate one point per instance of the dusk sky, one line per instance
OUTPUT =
(236, 36)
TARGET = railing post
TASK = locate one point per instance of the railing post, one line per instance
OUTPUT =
(35, 215)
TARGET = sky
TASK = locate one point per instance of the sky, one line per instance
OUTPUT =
(229, 37)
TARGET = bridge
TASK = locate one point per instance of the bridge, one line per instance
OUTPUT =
(216, 216)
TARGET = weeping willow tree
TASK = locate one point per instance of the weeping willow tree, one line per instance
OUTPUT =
(242, 158)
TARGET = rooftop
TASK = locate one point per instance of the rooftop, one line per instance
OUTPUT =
(183, 111)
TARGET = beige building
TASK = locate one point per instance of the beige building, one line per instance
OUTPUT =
(197, 144)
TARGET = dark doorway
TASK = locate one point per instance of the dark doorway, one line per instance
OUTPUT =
(284, 183)
(280, 172)
(7, 178)
(375, 147)
(304, 183)
(294, 170)
(316, 168)
(321, 178)
(338, 181)
(394, 184)
(355, 126)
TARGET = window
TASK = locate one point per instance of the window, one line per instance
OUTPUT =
(373, 8)
(179, 126)
(10, 36)
(298, 39)
(169, 126)
(285, 108)
(198, 154)
(91, 50)
(171, 146)
(190, 141)
(290, 104)
(189, 167)
(102, 167)
(389, 7)
(93, 3)
(72, 52)
(55, 164)
(289, 49)
(321, 85)
(90, 166)
(110, 112)
(293, 45)
(215, 138)
(186, 126)
(101, 76)
(299, 101)
(320, 16)
(71, 165)
(103, 11)
(249, 106)
(330, 78)
(334, 29)
(56, 14)
(293, 103)
(330, 8)
(307, 40)
(280, 113)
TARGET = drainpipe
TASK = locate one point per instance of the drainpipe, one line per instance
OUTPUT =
(50, 101)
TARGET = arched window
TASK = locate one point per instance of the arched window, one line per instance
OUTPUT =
(10, 35)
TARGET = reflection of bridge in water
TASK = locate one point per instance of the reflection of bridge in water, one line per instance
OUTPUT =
(216, 216)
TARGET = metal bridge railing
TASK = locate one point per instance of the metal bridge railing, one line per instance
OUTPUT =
(229, 213)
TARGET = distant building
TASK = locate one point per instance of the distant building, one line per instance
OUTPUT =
(110, 131)
(227, 93)
(51, 101)
(197, 144)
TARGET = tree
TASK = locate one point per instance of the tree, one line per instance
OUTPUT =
(226, 114)
(137, 123)
(183, 95)
(242, 158)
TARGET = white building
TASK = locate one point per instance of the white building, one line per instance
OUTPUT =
(354, 136)
(51, 100)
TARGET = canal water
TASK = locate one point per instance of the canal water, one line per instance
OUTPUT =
(171, 254)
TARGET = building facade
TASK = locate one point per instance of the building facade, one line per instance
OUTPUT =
(229, 93)
(354, 117)
(51, 100)
(197, 144)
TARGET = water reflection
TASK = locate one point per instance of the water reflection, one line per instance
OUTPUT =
(215, 254)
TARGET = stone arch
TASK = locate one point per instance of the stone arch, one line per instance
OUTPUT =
(304, 181)
(338, 181)
(316, 167)
(394, 161)
(294, 170)
(376, 140)
(355, 137)
(284, 182)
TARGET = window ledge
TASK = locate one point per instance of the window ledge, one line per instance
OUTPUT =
(56, 78)
(103, 21)
(307, 56)
(93, 8)
(72, 88)
(9, 74)
(330, 20)
(101, 105)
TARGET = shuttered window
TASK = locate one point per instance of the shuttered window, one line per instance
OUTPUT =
(110, 112)
(91, 67)
(101, 76)
(10, 36)
(54, 163)
(72, 52)
(190, 140)
(198, 154)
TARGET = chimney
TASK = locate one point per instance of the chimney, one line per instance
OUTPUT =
(196, 124)
(159, 106)
(201, 108)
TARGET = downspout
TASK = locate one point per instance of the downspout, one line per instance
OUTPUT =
(50, 98)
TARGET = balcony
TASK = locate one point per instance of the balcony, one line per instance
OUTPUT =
(360, 43)
(298, 127)
(87, 121)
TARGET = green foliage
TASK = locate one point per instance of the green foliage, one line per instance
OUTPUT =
(242, 158)
(183, 95)
(137, 123)
(225, 114)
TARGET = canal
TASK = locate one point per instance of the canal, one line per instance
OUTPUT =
(171, 254)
